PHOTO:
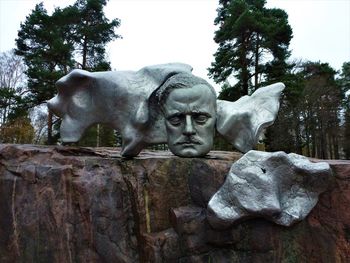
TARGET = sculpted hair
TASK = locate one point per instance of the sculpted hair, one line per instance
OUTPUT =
(180, 81)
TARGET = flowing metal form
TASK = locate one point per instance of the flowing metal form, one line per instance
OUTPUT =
(116, 98)
(242, 122)
(128, 101)
(279, 187)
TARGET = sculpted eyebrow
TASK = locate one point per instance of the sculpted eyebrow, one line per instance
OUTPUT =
(202, 113)
(177, 114)
(181, 114)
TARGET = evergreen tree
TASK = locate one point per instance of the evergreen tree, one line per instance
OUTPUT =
(346, 137)
(92, 31)
(248, 33)
(344, 82)
(52, 45)
(308, 121)
(43, 42)
(15, 126)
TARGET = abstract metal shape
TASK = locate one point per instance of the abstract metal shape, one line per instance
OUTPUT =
(128, 101)
(242, 122)
(116, 98)
(279, 187)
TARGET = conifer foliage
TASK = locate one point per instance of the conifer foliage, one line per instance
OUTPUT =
(253, 42)
(52, 44)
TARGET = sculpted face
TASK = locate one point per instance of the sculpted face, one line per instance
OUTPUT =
(190, 120)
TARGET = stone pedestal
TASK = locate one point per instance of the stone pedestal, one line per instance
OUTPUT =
(70, 204)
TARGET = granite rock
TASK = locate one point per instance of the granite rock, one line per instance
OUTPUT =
(70, 204)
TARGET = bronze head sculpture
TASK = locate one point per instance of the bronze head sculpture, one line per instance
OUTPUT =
(188, 104)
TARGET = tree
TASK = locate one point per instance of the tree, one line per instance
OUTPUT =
(12, 83)
(42, 42)
(99, 136)
(248, 35)
(346, 137)
(52, 45)
(285, 133)
(308, 121)
(344, 83)
(18, 130)
(15, 126)
(92, 31)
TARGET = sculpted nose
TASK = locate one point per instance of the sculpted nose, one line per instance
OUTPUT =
(189, 129)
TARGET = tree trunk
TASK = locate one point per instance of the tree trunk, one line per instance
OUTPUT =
(83, 65)
(98, 135)
(49, 127)
(336, 147)
(256, 76)
(245, 71)
(307, 140)
(323, 141)
(313, 143)
(297, 135)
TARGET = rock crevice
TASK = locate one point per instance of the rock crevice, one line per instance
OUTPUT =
(70, 204)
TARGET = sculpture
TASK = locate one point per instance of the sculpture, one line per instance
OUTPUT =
(188, 104)
(166, 103)
(279, 187)
(117, 98)
(242, 122)
(129, 102)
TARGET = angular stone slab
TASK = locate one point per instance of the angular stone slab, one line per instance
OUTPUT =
(279, 187)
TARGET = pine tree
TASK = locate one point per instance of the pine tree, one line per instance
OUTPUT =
(248, 33)
(92, 31)
(308, 121)
(51, 45)
(344, 82)
(44, 44)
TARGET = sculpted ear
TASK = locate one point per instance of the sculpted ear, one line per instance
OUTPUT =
(241, 122)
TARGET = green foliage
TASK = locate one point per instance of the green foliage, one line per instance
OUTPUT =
(229, 93)
(51, 45)
(17, 130)
(46, 52)
(100, 136)
(91, 32)
(308, 122)
(12, 92)
(249, 33)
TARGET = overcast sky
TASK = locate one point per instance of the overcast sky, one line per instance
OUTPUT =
(162, 31)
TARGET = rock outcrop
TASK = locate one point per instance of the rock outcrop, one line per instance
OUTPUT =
(70, 204)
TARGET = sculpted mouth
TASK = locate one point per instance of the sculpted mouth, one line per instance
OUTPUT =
(189, 142)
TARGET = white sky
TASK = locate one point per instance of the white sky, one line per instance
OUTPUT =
(162, 31)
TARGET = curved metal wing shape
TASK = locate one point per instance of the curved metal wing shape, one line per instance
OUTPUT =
(241, 122)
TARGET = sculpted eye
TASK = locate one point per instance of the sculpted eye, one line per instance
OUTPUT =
(175, 120)
(200, 118)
